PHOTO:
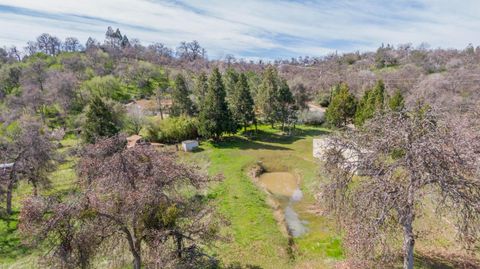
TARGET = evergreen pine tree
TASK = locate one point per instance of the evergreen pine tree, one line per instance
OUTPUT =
(100, 122)
(230, 79)
(241, 103)
(200, 89)
(215, 118)
(342, 106)
(267, 95)
(371, 102)
(181, 103)
(396, 102)
(285, 103)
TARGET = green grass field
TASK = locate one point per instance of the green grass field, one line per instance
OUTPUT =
(253, 237)
(256, 239)
(13, 253)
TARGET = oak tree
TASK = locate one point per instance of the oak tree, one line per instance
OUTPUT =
(136, 197)
(382, 174)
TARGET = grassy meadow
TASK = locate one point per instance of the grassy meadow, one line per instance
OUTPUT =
(253, 237)
(256, 239)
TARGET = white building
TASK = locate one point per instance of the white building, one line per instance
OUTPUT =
(189, 145)
(6, 165)
(320, 147)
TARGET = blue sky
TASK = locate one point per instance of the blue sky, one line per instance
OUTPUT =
(266, 29)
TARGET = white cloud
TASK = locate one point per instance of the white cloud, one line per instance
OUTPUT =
(250, 28)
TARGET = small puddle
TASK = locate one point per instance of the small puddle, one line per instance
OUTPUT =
(284, 187)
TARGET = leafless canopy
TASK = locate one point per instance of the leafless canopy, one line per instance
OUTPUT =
(380, 175)
(129, 196)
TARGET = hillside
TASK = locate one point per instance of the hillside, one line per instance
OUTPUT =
(93, 173)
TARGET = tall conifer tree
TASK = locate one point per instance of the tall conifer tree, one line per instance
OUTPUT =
(181, 103)
(267, 95)
(215, 118)
(342, 106)
(101, 121)
(241, 103)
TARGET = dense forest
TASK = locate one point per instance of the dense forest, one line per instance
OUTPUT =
(405, 112)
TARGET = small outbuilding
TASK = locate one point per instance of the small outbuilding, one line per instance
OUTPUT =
(6, 165)
(189, 145)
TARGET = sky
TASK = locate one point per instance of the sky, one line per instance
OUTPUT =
(262, 29)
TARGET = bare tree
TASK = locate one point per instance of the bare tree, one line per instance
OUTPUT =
(160, 98)
(381, 174)
(31, 48)
(48, 44)
(4, 58)
(191, 51)
(33, 97)
(32, 155)
(159, 53)
(135, 119)
(15, 53)
(91, 44)
(72, 44)
(61, 87)
(127, 196)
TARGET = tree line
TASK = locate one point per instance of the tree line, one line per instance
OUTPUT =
(385, 168)
(404, 154)
(131, 195)
(344, 108)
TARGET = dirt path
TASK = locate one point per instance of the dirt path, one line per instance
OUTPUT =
(314, 107)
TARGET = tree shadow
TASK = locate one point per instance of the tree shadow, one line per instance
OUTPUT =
(235, 142)
(279, 138)
(237, 265)
(10, 243)
(445, 262)
(197, 149)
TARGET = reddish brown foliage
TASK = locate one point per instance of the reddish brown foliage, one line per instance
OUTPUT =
(135, 196)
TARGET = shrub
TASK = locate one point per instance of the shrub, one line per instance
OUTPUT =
(323, 99)
(101, 121)
(173, 129)
(342, 106)
(53, 116)
(109, 87)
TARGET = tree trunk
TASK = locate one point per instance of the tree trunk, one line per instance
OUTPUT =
(135, 248)
(408, 236)
(9, 196)
(408, 244)
(179, 245)
(161, 112)
(137, 262)
(35, 188)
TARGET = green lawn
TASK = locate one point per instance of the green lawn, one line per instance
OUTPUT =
(253, 238)
(256, 239)
(12, 252)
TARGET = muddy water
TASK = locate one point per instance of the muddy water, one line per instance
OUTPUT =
(284, 187)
